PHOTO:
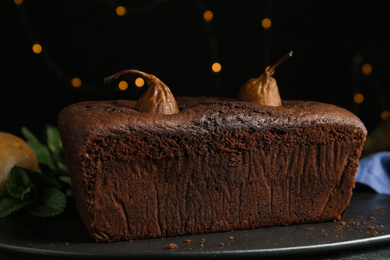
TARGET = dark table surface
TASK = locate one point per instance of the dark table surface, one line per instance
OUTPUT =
(364, 233)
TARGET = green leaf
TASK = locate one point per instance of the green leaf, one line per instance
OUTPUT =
(19, 177)
(41, 151)
(53, 202)
(30, 137)
(18, 192)
(53, 139)
(62, 166)
(65, 179)
(20, 184)
(15, 191)
(11, 205)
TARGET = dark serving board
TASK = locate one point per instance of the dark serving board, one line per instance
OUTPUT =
(365, 224)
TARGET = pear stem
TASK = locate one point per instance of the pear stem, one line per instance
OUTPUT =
(281, 60)
(110, 79)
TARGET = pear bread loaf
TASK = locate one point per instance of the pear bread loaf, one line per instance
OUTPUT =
(214, 164)
(167, 167)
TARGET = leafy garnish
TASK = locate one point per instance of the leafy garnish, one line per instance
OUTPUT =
(51, 153)
(10, 205)
(32, 191)
(52, 202)
(42, 193)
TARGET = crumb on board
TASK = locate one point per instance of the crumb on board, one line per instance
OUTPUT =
(171, 246)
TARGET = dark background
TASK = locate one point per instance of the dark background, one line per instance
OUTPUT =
(331, 40)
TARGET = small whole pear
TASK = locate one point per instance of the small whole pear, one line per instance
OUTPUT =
(157, 98)
(14, 151)
(262, 90)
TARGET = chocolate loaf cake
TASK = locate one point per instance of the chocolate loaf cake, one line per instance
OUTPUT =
(216, 165)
